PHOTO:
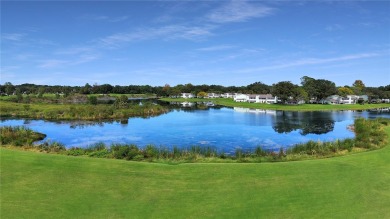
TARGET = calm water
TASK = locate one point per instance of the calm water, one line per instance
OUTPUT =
(224, 128)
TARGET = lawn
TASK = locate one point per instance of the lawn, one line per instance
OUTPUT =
(37, 185)
(304, 107)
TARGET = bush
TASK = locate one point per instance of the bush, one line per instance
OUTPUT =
(127, 152)
(19, 136)
(52, 147)
(75, 152)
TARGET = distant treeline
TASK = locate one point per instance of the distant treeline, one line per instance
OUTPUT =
(311, 87)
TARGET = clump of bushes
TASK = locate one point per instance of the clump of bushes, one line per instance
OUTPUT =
(51, 147)
(19, 136)
(370, 133)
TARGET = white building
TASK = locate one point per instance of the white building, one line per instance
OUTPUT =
(187, 95)
(213, 95)
(256, 98)
(241, 98)
(349, 99)
(228, 95)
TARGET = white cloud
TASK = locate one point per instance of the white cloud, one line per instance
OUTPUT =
(334, 27)
(55, 63)
(13, 36)
(104, 18)
(238, 11)
(51, 63)
(216, 48)
(312, 61)
(74, 50)
(165, 32)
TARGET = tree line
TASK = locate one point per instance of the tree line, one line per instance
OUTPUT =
(309, 88)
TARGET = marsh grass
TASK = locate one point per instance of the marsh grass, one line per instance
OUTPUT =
(78, 111)
(19, 136)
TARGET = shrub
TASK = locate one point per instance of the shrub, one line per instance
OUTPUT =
(75, 152)
(125, 151)
(19, 136)
(52, 147)
(150, 151)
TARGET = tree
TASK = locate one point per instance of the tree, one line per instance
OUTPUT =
(344, 91)
(9, 88)
(259, 88)
(86, 89)
(41, 91)
(283, 90)
(300, 94)
(325, 88)
(358, 86)
(202, 94)
(166, 88)
(318, 89)
(174, 92)
(308, 84)
(121, 102)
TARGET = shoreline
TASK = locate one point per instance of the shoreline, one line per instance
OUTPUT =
(304, 107)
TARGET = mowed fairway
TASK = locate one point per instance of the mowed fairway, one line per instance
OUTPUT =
(36, 185)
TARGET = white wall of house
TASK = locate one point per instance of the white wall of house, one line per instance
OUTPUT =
(256, 98)
(350, 99)
(228, 95)
(187, 95)
(241, 98)
(213, 95)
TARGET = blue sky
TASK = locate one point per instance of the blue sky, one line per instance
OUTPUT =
(198, 42)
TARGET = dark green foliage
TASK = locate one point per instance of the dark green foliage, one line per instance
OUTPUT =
(283, 90)
(127, 152)
(19, 136)
(121, 102)
(370, 133)
(318, 88)
(260, 152)
(151, 151)
(75, 151)
(52, 147)
(92, 100)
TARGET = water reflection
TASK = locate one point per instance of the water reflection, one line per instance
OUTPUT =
(306, 122)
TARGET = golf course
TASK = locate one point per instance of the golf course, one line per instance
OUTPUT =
(39, 185)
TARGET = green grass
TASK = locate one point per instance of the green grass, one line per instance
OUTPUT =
(37, 185)
(77, 111)
(304, 107)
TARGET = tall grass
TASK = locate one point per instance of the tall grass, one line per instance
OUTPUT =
(78, 111)
(19, 136)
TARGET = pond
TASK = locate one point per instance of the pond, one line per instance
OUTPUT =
(221, 127)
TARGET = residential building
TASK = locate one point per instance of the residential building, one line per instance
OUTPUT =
(228, 95)
(349, 99)
(256, 98)
(213, 95)
(241, 98)
(187, 95)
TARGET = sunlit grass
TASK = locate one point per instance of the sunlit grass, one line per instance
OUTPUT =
(36, 185)
(304, 107)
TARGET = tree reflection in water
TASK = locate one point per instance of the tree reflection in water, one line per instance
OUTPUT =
(307, 122)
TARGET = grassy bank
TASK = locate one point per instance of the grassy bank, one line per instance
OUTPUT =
(36, 185)
(304, 107)
(77, 111)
